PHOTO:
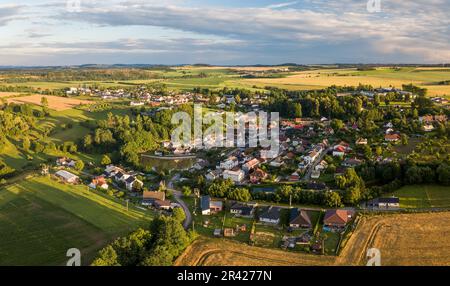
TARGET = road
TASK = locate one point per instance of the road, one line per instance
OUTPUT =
(178, 197)
(314, 164)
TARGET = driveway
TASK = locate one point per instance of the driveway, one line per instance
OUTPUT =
(178, 197)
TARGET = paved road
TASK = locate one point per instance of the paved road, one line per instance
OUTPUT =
(314, 164)
(178, 197)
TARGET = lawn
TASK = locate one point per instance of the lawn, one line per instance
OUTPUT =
(424, 196)
(40, 219)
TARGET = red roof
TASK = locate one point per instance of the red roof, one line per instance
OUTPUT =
(337, 217)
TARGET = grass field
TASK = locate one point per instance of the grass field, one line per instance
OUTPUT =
(40, 219)
(424, 196)
(403, 239)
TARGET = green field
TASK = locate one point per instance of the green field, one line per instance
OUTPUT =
(40, 219)
(424, 196)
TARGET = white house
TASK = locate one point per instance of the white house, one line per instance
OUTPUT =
(67, 176)
(236, 176)
(130, 182)
(229, 164)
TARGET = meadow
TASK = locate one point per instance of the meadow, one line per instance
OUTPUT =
(424, 196)
(41, 218)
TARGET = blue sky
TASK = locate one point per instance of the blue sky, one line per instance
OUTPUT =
(51, 32)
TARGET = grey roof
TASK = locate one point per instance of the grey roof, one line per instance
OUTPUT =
(271, 213)
(204, 203)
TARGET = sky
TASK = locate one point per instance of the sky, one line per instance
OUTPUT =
(223, 32)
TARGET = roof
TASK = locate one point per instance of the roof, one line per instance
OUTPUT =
(300, 217)
(337, 216)
(391, 200)
(244, 209)
(218, 204)
(271, 213)
(204, 203)
(160, 203)
(154, 195)
(392, 137)
(66, 175)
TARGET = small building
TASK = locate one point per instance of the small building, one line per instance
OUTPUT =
(392, 137)
(257, 176)
(428, 127)
(217, 232)
(337, 218)
(229, 232)
(361, 141)
(64, 161)
(250, 165)
(385, 203)
(209, 206)
(271, 215)
(67, 177)
(351, 162)
(162, 205)
(99, 182)
(299, 219)
(315, 174)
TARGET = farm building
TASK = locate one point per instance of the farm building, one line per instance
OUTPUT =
(385, 203)
(99, 182)
(67, 177)
(208, 206)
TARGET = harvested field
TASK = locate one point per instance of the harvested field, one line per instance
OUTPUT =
(215, 252)
(403, 239)
(54, 102)
(8, 94)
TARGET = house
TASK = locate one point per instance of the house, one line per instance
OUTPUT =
(250, 165)
(295, 177)
(111, 171)
(149, 197)
(229, 164)
(313, 154)
(121, 176)
(67, 177)
(428, 127)
(299, 219)
(236, 175)
(99, 182)
(213, 175)
(337, 218)
(162, 205)
(392, 137)
(131, 182)
(385, 203)
(228, 232)
(340, 149)
(242, 210)
(315, 174)
(64, 161)
(323, 165)
(351, 162)
(208, 206)
(271, 215)
(361, 141)
(257, 176)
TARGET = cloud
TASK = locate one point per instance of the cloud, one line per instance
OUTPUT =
(9, 13)
(281, 5)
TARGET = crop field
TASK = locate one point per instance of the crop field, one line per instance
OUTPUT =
(403, 239)
(54, 102)
(381, 77)
(424, 196)
(40, 219)
(217, 252)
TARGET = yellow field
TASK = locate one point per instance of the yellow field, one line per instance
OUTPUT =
(382, 77)
(8, 94)
(54, 102)
(403, 239)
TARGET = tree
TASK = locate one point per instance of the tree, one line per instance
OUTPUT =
(333, 200)
(26, 144)
(79, 165)
(178, 214)
(105, 160)
(443, 174)
(298, 110)
(44, 103)
(186, 190)
(106, 257)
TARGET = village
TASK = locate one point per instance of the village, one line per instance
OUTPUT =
(312, 154)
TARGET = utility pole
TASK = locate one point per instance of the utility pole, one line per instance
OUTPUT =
(127, 200)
